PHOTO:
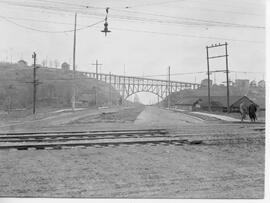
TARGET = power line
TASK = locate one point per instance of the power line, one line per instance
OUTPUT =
(46, 31)
(191, 21)
(130, 30)
(221, 3)
(152, 4)
(88, 78)
(218, 10)
(35, 20)
(200, 72)
(219, 23)
(186, 35)
(122, 29)
(72, 4)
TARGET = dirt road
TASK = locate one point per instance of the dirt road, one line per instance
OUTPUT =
(161, 117)
(142, 171)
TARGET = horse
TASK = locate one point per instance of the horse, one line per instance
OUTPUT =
(252, 112)
(243, 110)
(248, 109)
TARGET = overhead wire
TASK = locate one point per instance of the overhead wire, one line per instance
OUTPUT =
(130, 30)
(143, 20)
(218, 23)
(201, 72)
(46, 31)
(189, 21)
(187, 35)
(145, 76)
(216, 10)
(228, 5)
(153, 4)
(35, 20)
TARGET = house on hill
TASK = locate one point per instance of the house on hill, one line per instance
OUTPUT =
(261, 84)
(253, 83)
(65, 66)
(22, 63)
(204, 83)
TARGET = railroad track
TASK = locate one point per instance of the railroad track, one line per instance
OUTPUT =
(60, 140)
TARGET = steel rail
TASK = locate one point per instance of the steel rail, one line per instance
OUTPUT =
(91, 134)
(174, 141)
(86, 131)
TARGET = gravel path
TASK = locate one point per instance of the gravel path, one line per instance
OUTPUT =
(143, 171)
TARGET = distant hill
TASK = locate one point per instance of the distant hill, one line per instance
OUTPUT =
(54, 90)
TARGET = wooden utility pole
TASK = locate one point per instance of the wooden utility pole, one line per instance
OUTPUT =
(95, 89)
(35, 83)
(226, 71)
(124, 86)
(110, 89)
(208, 82)
(227, 77)
(74, 66)
(169, 90)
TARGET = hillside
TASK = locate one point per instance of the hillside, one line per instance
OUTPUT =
(54, 90)
(256, 94)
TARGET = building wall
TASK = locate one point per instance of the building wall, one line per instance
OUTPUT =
(184, 107)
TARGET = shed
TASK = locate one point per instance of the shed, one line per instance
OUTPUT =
(218, 103)
(188, 103)
(235, 106)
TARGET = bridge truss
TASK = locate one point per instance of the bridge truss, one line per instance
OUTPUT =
(128, 85)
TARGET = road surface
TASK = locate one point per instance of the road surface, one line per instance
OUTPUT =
(142, 171)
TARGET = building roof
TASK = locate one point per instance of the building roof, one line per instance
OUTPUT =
(220, 101)
(187, 101)
(242, 99)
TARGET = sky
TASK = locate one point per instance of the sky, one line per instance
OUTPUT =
(146, 36)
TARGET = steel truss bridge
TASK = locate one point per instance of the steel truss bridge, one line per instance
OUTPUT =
(128, 85)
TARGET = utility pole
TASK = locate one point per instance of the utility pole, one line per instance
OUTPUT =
(169, 96)
(35, 83)
(227, 77)
(74, 66)
(110, 89)
(96, 64)
(124, 86)
(10, 98)
(208, 80)
(95, 95)
(226, 71)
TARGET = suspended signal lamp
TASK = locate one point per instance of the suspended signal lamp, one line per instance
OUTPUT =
(106, 30)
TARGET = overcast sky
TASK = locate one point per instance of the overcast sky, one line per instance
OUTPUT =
(147, 35)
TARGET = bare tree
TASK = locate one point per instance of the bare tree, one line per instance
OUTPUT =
(43, 63)
(51, 63)
(56, 63)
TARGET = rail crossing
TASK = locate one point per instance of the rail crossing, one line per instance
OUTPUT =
(125, 137)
